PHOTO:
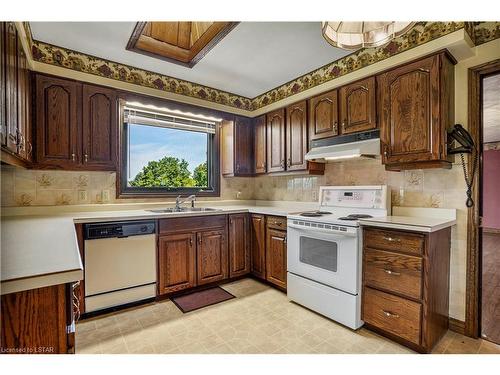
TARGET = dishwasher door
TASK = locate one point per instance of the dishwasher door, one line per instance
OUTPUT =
(119, 270)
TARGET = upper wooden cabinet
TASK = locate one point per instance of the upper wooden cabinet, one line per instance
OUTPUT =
(11, 52)
(239, 245)
(76, 125)
(323, 115)
(58, 116)
(100, 127)
(237, 147)
(24, 125)
(3, 81)
(276, 141)
(416, 108)
(358, 106)
(260, 147)
(296, 136)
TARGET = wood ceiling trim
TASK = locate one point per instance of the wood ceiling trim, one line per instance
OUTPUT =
(184, 43)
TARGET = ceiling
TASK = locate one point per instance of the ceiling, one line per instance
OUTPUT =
(253, 58)
(491, 109)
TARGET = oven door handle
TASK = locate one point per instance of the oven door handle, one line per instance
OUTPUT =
(322, 230)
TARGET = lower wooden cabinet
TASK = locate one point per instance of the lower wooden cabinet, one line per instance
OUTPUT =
(177, 262)
(38, 321)
(239, 245)
(276, 257)
(406, 285)
(211, 256)
(258, 245)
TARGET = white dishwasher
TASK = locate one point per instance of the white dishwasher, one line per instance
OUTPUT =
(120, 263)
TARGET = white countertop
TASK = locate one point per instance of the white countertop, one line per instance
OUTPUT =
(39, 251)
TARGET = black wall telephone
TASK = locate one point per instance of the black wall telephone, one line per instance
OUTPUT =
(466, 146)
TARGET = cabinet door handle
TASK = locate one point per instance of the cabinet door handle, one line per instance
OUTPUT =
(73, 156)
(199, 240)
(389, 314)
(289, 163)
(389, 272)
(86, 158)
(335, 127)
(191, 241)
(391, 239)
(284, 240)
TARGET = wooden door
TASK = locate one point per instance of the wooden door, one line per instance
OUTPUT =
(3, 86)
(11, 87)
(296, 136)
(99, 128)
(258, 245)
(243, 146)
(239, 245)
(211, 253)
(260, 145)
(409, 118)
(24, 106)
(276, 257)
(58, 122)
(357, 106)
(176, 262)
(276, 141)
(323, 115)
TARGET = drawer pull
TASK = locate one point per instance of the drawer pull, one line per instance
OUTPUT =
(391, 239)
(389, 272)
(277, 223)
(389, 314)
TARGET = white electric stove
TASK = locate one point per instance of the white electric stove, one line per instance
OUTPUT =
(325, 251)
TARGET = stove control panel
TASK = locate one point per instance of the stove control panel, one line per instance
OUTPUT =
(354, 196)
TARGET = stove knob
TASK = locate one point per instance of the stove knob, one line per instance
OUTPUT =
(144, 228)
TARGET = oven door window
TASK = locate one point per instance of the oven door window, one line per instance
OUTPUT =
(318, 253)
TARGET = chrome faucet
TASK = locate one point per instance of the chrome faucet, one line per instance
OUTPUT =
(179, 201)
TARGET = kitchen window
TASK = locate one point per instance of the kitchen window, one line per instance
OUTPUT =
(168, 153)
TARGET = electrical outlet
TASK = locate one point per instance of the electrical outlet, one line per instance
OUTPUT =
(105, 195)
(82, 195)
(315, 195)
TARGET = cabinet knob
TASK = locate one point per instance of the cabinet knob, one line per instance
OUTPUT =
(389, 314)
(86, 158)
(73, 156)
(289, 163)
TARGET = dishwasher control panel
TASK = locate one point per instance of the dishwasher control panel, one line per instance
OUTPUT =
(119, 229)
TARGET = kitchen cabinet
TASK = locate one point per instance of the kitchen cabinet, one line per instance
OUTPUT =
(11, 86)
(258, 245)
(276, 248)
(416, 109)
(324, 115)
(276, 141)
(296, 136)
(24, 125)
(38, 321)
(239, 245)
(3, 86)
(260, 146)
(76, 125)
(176, 262)
(237, 147)
(406, 285)
(358, 106)
(211, 256)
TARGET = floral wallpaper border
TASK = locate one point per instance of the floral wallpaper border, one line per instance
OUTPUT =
(422, 32)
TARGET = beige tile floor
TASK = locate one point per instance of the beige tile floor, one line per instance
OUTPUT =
(259, 320)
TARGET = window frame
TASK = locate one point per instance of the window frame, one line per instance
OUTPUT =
(213, 166)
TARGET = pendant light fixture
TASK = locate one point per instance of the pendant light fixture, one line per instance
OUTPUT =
(356, 35)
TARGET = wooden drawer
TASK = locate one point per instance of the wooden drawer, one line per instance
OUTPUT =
(393, 272)
(192, 223)
(395, 315)
(412, 243)
(276, 222)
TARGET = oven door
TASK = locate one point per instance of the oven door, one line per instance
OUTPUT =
(325, 256)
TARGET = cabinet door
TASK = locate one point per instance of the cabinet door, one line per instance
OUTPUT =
(276, 257)
(260, 144)
(276, 141)
(227, 147)
(357, 106)
(99, 128)
(258, 245)
(24, 105)
(176, 262)
(296, 136)
(239, 246)
(211, 256)
(58, 122)
(3, 86)
(11, 86)
(323, 115)
(243, 146)
(410, 112)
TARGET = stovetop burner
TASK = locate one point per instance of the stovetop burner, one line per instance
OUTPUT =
(355, 217)
(315, 213)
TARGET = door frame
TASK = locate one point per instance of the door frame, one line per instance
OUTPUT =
(474, 251)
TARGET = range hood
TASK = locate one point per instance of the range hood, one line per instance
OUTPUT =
(360, 145)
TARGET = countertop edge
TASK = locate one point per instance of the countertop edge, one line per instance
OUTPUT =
(40, 281)
(409, 227)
